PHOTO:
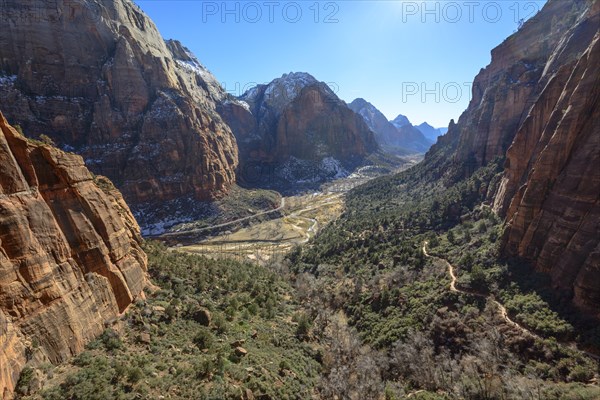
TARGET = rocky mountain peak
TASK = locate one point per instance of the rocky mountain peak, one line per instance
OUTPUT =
(280, 92)
(362, 104)
(402, 139)
(295, 132)
(400, 121)
(368, 111)
(430, 132)
(187, 61)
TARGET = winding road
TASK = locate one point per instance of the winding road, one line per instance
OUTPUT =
(223, 225)
(301, 219)
(502, 310)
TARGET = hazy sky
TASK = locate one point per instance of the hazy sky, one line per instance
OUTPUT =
(416, 58)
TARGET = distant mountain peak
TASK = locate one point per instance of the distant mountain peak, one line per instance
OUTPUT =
(399, 137)
(290, 84)
(297, 76)
(360, 102)
(400, 121)
(297, 127)
(430, 132)
(280, 92)
(372, 116)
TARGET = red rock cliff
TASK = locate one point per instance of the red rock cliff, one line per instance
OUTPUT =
(538, 105)
(506, 90)
(297, 126)
(98, 77)
(550, 192)
(70, 256)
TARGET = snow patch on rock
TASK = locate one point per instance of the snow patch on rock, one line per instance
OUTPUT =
(300, 171)
(8, 79)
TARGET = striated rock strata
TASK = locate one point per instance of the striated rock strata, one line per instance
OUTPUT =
(507, 89)
(537, 105)
(97, 77)
(70, 256)
(550, 192)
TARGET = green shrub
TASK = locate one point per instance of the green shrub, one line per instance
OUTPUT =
(47, 140)
(220, 323)
(135, 374)
(580, 373)
(24, 380)
(204, 368)
(478, 278)
(204, 338)
(111, 340)
(304, 325)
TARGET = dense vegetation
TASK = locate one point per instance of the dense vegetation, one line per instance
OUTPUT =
(368, 314)
(422, 337)
(189, 339)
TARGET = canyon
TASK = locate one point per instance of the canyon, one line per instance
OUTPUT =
(512, 188)
(537, 105)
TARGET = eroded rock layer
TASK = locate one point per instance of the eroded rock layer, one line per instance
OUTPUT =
(538, 105)
(507, 89)
(550, 192)
(97, 77)
(70, 256)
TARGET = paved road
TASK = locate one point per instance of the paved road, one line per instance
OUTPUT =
(223, 225)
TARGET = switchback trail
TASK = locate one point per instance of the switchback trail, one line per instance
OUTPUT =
(501, 308)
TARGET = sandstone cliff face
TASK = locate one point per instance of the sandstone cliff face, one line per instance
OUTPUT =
(295, 129)
(70, 256)
(506, 90)
(98, 78)
(537, 104)
(550, 192)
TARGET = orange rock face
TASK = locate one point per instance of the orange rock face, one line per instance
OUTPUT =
(287, 128)
(336, 128)
(550, 191)
(505, 91)
(537, 104)
(70, 256)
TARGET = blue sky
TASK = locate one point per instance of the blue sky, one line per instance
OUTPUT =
(416, 58)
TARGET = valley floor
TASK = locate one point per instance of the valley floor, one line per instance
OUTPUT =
(268, 240)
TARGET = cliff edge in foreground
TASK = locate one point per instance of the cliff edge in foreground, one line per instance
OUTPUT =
(70, 256)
